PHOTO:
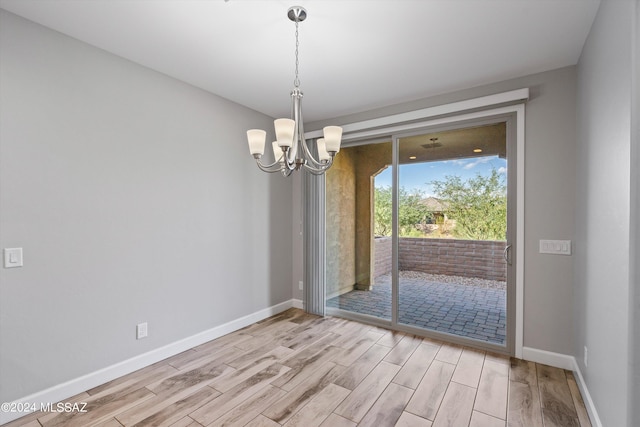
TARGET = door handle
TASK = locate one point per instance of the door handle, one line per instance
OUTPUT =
(505, 254)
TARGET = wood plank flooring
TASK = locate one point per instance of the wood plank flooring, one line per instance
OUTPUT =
(295, 369)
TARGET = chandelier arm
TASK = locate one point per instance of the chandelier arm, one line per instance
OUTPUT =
(291, 156)
(314, 171)
(319, 170)
(307, 153)
(289, 163)
(310, 156)
(296, 114)
(285, 162)
(269, 168)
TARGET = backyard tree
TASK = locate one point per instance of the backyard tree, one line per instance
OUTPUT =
(411, 212)
(478, 205)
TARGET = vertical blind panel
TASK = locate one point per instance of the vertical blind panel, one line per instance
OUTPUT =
(314, 243)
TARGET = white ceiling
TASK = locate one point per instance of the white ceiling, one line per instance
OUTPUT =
(355, 55)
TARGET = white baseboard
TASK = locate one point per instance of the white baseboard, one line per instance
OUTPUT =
(567, 362)
(586, 397)
(297, 303)
(544, 357)
(94, 379)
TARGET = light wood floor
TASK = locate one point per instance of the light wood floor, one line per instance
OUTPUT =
(295, 369)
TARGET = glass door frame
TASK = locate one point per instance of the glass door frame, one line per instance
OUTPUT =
(500, 107)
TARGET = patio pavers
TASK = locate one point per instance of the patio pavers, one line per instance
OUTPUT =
(460, 309)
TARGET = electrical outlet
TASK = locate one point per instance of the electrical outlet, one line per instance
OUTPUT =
(141, 330)
(300, 285)
(586, 357)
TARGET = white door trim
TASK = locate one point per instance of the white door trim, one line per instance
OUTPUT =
(388, 122)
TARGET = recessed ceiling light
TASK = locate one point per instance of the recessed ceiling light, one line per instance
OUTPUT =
(477, 150)
(412, 157)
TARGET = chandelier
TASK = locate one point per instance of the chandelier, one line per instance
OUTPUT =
(290, 149)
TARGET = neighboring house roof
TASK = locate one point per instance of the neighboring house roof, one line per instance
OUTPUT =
(435, 205)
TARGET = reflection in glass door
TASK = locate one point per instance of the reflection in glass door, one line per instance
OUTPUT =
(452, 233)
(358, 274)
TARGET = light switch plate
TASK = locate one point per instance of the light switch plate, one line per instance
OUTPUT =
(12, 257)
(556, 247)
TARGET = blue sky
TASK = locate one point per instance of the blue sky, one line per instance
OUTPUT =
(418, 175)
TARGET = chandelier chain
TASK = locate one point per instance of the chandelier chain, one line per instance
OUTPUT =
(296, 81)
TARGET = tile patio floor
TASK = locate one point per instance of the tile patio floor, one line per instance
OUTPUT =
(459, 309)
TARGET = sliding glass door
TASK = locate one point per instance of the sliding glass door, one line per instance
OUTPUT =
(420, 233)
(452, 232)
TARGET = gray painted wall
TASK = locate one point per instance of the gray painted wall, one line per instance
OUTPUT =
(604, 216)
(549, 200)
(135, 199)
(634, 330)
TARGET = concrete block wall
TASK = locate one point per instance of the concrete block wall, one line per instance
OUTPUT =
(383, 254)
(467, 258)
